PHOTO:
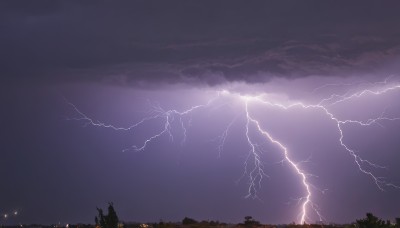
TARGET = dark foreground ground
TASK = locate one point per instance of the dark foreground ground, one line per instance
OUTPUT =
(370, 221)
(179, 225)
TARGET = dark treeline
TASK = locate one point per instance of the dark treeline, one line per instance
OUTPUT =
(370, 221)
(110, 220)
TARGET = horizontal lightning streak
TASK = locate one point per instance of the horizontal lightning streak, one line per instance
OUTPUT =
(168, 117)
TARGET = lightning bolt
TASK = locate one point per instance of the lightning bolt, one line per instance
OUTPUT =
(253, 165)
(157, 112)
(258, 167)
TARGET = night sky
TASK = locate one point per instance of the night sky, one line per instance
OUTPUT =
(320, 77)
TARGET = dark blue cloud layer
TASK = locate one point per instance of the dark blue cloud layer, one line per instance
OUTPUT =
(194, 42)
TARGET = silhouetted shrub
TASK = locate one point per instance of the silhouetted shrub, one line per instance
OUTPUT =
(188, 221)
(371, 221)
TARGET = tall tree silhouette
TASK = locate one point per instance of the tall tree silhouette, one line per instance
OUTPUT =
(398, 222)
(107, 221)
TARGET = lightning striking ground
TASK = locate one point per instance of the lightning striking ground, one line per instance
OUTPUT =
(253, 165)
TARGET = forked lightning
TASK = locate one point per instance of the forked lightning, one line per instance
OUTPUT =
(253, 166)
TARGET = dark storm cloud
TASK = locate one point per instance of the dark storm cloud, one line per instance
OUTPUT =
(143, 42)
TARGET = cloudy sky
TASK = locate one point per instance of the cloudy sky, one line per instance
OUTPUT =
(64, 63)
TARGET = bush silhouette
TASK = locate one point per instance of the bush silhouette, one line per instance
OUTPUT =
(188, 221)
(249, 221)
(371, 221)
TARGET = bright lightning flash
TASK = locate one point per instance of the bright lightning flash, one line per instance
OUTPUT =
(253, 166)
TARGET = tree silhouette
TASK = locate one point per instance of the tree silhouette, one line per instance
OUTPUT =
(397, 222)
(107, 221)
(188, 221)
(249, 221)
(371, 221)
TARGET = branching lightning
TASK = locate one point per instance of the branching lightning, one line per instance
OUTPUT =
(253, 165)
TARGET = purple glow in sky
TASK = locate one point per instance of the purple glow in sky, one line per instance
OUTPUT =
(286, 111)
(173, 123)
